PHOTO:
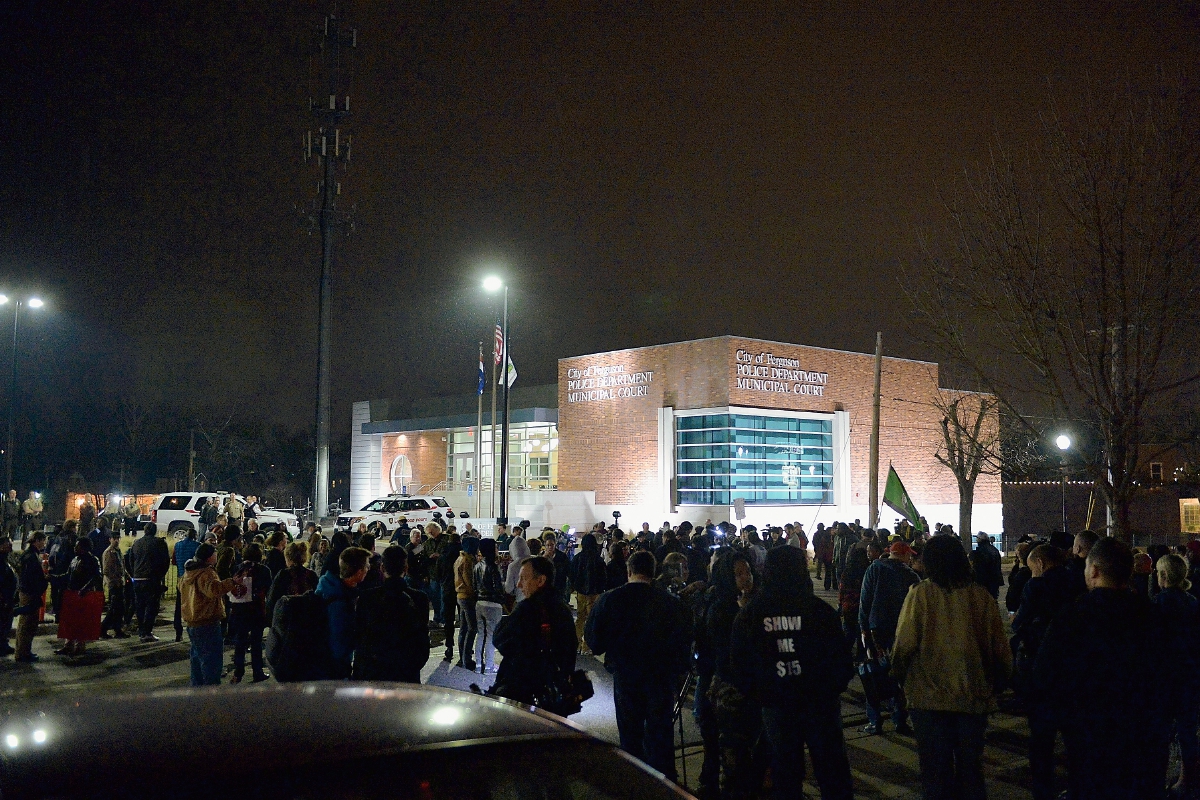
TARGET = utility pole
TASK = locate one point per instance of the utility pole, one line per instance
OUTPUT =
(330, 147)
(873, 493)
(192, 462)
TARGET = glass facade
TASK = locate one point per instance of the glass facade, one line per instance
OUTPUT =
(763, 460)
(532, 456)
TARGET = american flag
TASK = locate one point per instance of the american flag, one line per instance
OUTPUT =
(498, 349)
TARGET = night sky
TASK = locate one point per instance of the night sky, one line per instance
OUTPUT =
(641, 176)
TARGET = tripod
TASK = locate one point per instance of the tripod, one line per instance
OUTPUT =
(689, 681)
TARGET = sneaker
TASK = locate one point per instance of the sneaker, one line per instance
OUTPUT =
(148, 638)
(261, 678)
(904, 729)
(178, 638)
(871, 729)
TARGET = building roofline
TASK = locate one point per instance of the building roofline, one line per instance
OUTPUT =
(516, 415)
(750, 339)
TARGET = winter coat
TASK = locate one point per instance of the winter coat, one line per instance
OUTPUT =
(588, 568)
(202, 595)
(1041, 599)
(85, 574)
(950, 651)
(988, 570)
(713, 631)
(275, 561)
(150, 559)
(884, 587)
(291, 581)
(518, 550)
(392, 622)
(1018, 576)
(489, 587)
(464, 576)
(643, 632)
(339, 608)
(31, 577)
(530, 654)
(8, 583)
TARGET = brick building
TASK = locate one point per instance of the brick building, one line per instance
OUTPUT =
(681, 431)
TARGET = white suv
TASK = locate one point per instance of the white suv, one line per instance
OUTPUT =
(382, 516)
(179, 512)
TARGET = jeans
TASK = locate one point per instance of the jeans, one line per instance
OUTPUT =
(819, 726)
(205, 653)
(178, 611)
(584, 603)
(145, 594)
(466, 630)
(883, 647)
(448, 600)
(950, 751)
(644, 715)
(434, 590)
(710, 734)
(487, 617)
(116, 609)
(1042, 732)
(247, 629)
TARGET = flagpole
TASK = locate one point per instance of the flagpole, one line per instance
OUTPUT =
(504, 361)
(873, 494)
(495, 361)
(479, 439)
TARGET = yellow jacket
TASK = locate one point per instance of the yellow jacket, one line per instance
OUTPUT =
(201, 596)
(950, 651)
(464, 576)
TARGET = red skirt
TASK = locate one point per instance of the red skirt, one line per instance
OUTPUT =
(80, 618)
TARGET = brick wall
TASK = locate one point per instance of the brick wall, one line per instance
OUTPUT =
(608, 404)
(426, 451)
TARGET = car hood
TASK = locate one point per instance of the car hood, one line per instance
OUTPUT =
(100, 736)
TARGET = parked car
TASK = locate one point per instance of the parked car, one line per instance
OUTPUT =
(382, 516)
(320, 740)
(178, 512)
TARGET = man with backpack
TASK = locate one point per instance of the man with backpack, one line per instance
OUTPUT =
(392, 626)
(202, 601)
(340, 593)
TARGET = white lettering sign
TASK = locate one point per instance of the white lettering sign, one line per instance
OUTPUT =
(606, 383)
(766, 372)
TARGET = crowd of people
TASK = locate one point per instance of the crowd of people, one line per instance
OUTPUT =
(726, 613)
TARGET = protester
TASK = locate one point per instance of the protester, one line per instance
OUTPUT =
(1098, 665)
(615, 571)
(391, 622)
(464, 589)
(8, 596)
(951, 657)
(182, 553)
(562, 566)
(645, 635)
(489, 605)
(31, 593)
(247, 614)
(340, 593)
(588, 573)
(435, 545)
(1018, 576)
(538, 638)
(885, 586)
(293, 580)
(150, 562)
(61, 554)
(518, 551)
(445, 579)
(274, 558)
(986, 562)
(823, 554)
(115, 581)
(83, 602)
(850, 580)
(787, 650)
(203, 608)
(1081, 545)
(318, 549)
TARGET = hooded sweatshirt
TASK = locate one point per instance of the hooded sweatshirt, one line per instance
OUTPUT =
(518, 549)
(201, 594)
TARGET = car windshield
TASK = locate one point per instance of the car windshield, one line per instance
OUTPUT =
(549, 770)
(378, 505)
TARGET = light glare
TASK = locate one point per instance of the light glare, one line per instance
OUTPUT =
(446, 715)
(3, 299)
(1063, 441)
(39, 736)
(12, 741)
(492, 283)
(36, 302)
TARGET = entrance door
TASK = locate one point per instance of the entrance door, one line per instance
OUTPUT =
(464, 468)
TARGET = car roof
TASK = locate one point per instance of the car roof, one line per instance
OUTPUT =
(100, 736)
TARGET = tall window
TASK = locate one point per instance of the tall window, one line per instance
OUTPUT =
(402, 474)
(763, 460)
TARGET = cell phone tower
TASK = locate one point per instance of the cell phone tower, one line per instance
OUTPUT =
(330, 146)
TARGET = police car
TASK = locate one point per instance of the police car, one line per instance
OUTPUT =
(382, 516)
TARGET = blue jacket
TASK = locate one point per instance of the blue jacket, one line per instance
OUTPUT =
(884, 587)
(184, 550)
(339, 606)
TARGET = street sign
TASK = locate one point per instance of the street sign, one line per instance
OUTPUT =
(470, 490)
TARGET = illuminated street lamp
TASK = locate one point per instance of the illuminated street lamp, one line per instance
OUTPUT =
(1063, 443)
(35, 303)
(493, 284)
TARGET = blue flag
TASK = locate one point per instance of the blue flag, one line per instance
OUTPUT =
(479, 389)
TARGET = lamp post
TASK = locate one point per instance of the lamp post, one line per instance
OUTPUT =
(32, 302)
(1063, 443)
(493, 284)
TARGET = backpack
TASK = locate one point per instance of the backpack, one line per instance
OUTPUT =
(297, 646)
(387, 624)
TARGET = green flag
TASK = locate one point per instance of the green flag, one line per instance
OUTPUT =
(896, 498)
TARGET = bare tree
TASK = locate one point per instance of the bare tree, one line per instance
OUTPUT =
(970, 446)
(1069, 283)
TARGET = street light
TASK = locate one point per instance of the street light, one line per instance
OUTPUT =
(493, 284)
(1063, 443)
(32, 302)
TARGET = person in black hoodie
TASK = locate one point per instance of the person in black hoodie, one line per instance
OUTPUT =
(787, 650)
(588, 577)
(1097, 666)
(562, 565)
(248, 615)
(537, 638)
(31, 587)
(615, 573)
(392, 626)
